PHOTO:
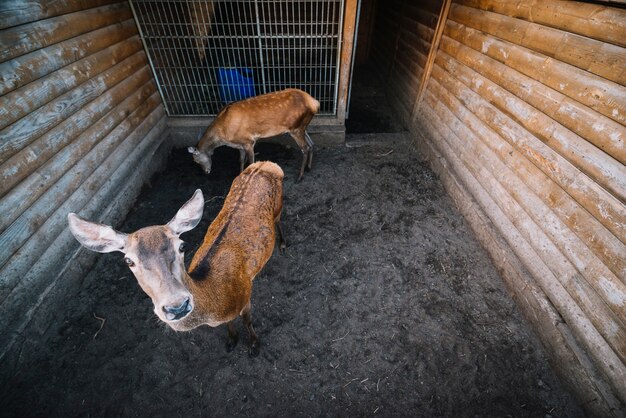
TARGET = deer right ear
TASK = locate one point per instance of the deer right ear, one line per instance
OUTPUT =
(189, 215)
(193, 150)
(96, 237)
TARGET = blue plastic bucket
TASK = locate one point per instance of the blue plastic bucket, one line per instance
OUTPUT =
(235, 84)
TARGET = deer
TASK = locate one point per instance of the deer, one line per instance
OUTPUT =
(240, 124)
(236, 246)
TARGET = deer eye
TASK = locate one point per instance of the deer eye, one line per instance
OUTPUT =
(183, 247)
(129, 262)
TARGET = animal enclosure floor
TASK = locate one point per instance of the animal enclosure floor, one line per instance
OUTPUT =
(385, 304)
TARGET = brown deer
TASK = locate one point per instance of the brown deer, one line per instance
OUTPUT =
(236, 246)
(240, 124)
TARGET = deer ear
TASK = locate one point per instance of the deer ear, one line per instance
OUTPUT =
(193, 150)
(189, 215)
(96, 237)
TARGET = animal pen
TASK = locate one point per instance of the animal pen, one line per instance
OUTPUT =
(402, 292)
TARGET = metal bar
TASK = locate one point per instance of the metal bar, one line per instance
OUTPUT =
(145, 47)
(258, 28)
(287, 43)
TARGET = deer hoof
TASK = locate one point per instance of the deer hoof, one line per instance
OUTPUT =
(231, 343)
(255, 349)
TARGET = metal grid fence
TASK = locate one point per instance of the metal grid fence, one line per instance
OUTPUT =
(205, 54)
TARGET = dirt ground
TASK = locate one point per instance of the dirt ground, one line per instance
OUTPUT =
(385, 304)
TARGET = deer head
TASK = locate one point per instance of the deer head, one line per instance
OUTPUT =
(202, 158)
(154, 254)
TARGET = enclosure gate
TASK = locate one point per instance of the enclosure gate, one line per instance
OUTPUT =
(205, 54)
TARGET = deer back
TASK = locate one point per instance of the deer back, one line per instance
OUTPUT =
(239, 241)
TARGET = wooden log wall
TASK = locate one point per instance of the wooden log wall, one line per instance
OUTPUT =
(403, 32)
(524, 119)
(81, 129)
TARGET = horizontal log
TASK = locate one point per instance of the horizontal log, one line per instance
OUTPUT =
(602, 354)
(601, 131)
(22, 70)
(564, 353)
(121, 186)
(543, 231)
(597, 57)
(607, 24)
(425, 14)
(28, 191)
(606, 208)
(590, 231)
(599, 166)
(46, 219)
(414, 44)
(29, 221)
(18, 12)
(21, 40)
(19, 103)
(601, 95)
(29, 159)
(20, 134)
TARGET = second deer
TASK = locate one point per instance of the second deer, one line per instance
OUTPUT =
(240, 124)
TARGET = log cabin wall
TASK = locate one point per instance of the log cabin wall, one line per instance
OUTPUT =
(403, 33)
(81, 128)
(523, 118)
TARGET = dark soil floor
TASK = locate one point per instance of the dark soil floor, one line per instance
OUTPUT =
(384, 304)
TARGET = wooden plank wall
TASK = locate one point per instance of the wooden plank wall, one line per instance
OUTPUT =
(403, 33)
(524, 119)
(81, 128)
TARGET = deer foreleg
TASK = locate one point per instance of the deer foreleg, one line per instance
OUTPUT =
(255, 344)
(311, 144)
(282, 243)
(233, 336)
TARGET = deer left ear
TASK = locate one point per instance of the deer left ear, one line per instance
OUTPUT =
(96, 237)
(189, 215)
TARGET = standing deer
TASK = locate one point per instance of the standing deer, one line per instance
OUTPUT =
(236, 246)
(240, 124)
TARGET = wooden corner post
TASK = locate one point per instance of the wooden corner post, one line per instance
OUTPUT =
(432, 54)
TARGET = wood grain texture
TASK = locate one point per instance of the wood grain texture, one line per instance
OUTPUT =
(597, 57)
(604, 133)
(27, 99)
(18, 12)
(21, 133)
(607, 24)
(596, 164)
(599, 94)
(574, 217)
(23, 39)
(27, 68)
(511, 254)
(29, 236)
(28, 160)
(602, 354)
(26, 193)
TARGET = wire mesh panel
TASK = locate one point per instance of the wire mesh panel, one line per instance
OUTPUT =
(206, 54)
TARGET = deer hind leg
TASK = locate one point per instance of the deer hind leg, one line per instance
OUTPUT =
(233, 336)
(250, 152)
(282, 243)
(302, 142)
(311, 145)
(242, 159)
(255, 344)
